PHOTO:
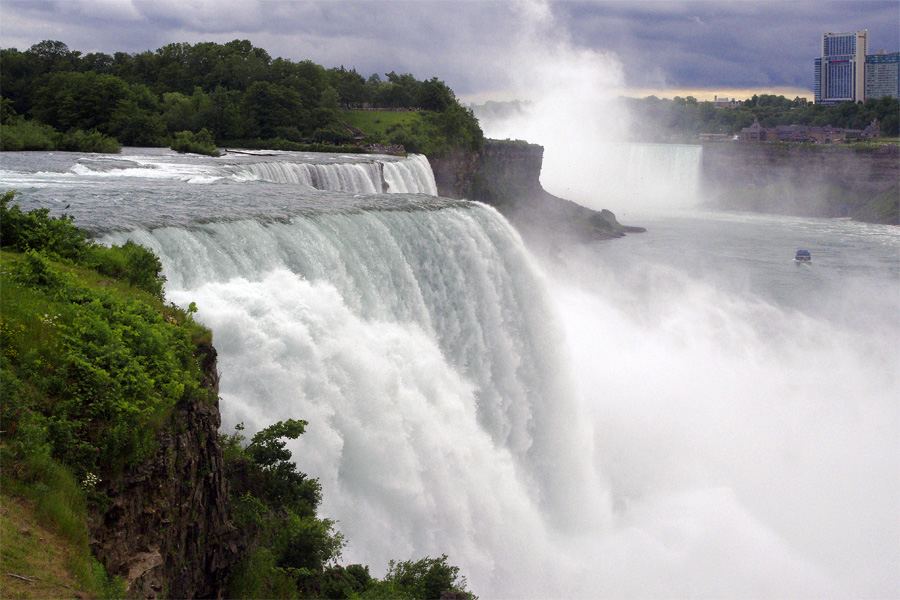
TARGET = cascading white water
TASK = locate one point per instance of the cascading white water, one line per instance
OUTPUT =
(411, 175)
(354, 174)
(425, 351)
(626, 177)
(359, 178)
(670, 171)
(421, 348)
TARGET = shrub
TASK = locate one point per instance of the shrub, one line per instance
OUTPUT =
(19, 134)
(91, 141)
(102, 365)
(201, 142)
(55, 236)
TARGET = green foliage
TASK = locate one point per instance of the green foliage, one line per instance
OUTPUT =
(438, 133)
(375, 123)
(91, 141)
(55, 236)
(58, 238)
(59, 502)
(267, 447)
(90, 370)
(425, 579)
(19, 134)
(73, 100)
(129, 262)
(234, 91)
(198, 143)
(295, 551)
(276, 505)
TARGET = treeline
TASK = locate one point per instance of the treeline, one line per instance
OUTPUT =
(234, 91)
(658, 119)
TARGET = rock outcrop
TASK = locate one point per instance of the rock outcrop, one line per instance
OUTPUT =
(167, 531)
(860, 182)
(506, 175)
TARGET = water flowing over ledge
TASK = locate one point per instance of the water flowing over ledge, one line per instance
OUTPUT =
(148, 188)
(423, 351)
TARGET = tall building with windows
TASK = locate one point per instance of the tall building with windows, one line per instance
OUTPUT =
(883, 75)
(840, 73)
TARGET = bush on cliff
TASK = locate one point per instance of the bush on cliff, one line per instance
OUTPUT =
(95, 365)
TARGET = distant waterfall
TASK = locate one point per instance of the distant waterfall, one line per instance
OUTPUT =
(655, 174)
(410, 175)
(626, 176)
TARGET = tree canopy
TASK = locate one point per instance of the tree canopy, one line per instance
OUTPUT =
(235, 91)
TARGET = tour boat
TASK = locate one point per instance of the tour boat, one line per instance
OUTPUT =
(802, 257)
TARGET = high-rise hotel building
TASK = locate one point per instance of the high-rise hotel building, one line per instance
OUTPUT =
(846, 72)
(883, 75)
(841, 72)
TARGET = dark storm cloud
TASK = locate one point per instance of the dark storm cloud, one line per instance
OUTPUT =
(471, 44)
(728, 44)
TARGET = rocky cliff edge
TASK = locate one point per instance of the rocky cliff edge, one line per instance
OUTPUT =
(506, 175)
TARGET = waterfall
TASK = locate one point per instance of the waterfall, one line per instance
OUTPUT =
(411, 175)
(624, 177)
(643, 421)
(422, 349)
(364, 178)
(654, 175)
(351, 173)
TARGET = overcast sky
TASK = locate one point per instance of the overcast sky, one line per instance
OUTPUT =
(487, 49)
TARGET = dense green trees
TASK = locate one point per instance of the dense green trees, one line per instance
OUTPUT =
(658, 119)
(236, 92)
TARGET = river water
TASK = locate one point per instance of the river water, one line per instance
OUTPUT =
(680, 413)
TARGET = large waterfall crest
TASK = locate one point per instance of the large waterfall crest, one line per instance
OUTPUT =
(422, 349)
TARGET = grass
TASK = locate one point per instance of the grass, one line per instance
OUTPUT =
(375, 123)
(36, 552)
(43, 536)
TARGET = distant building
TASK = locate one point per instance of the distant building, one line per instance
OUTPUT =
(883, 75)
(840, 72)
(801, 133)
(754, 133)
(817, 86)
(725, 102)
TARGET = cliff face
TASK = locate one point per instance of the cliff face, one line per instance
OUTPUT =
(506, 175)
(817, 181)
(167, 531)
